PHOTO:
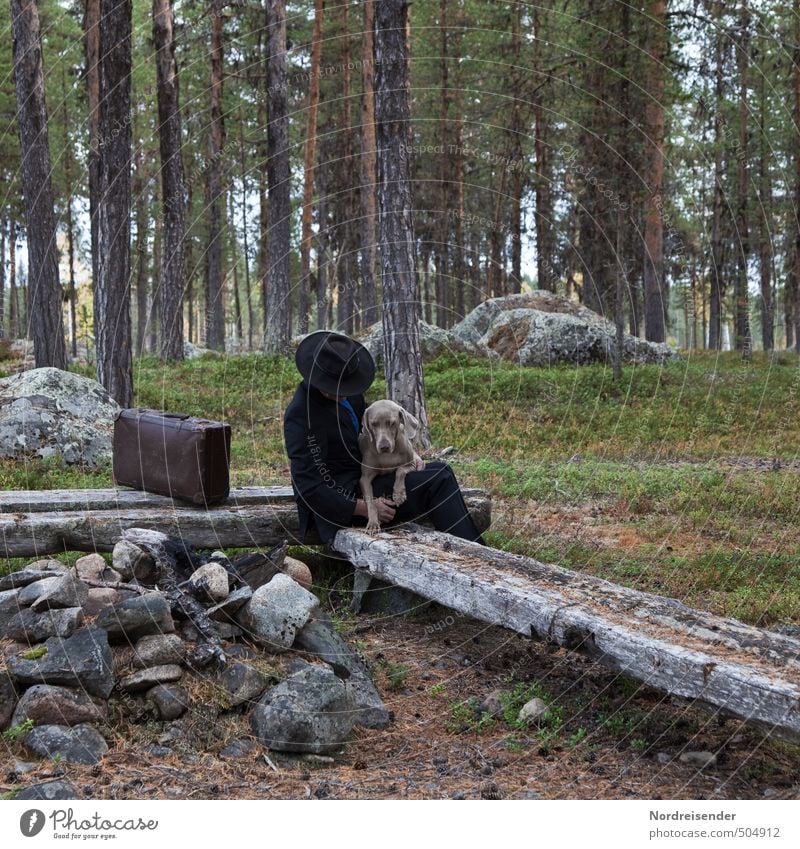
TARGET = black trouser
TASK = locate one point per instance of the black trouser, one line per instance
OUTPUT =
(432, 495)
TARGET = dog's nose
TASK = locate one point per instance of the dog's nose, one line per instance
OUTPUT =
(384, 448)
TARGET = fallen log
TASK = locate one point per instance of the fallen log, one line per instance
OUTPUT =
(745, 671)
(38, 522)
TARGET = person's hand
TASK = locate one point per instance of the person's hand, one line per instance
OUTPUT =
(385, 506)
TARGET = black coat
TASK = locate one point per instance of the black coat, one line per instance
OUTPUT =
(325, 459)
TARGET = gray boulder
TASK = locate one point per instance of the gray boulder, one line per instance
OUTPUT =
(210, 582)
(144, 679)
(158, 649)
(48, 705)
(26, 576)
(100, 598)
(132, 562)
(29, 594)
(312, 711)
(276, 611)
(242, 683)
(433, 341)
(93, 567)
(225, 610)
(69, 591)
(137, 617)
(80, 744)
(31, 627)
(82, 660)
(541, 328)
(48, 412)
(48, 791)
(171, 700)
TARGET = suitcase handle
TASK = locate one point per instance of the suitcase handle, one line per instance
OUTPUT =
(181, 416)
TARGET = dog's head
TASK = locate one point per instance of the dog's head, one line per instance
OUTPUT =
(386, 423)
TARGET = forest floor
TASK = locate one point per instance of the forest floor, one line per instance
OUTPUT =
(682, 480)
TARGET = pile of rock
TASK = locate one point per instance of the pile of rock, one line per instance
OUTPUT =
(86, 644)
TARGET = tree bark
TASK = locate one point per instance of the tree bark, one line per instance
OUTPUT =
(278, 315)
(91, 27)
(442, 237)
(795, 289)
(46, 321)
(654, 292)
(3, 233)
(765, 231)
(215, 296)
(403, 360)
(369, 294)
(717, 282)
(743, 340)
(173, 191)
(142, 215)
(309, 163)
(72, 295)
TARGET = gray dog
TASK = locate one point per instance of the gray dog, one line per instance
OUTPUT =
(385, 443)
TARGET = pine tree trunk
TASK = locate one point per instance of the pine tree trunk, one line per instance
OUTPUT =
(369, 294)
(215, 296)
(13, 303)
(173, 192)
(309, 163)
(443, 236)
(795, 289)
(346, 312)
(263, 216)
(245, 237)
(515, 147)
(46, 321)
(717, 281)
(654, 292)
(91, 26)
(321, 285)
(278, 316)
(742, 312)
(765, 234)
(403, 360)
(140, 248)
(68, 164)
(112, 321)
(543, 196)
(153, 318)
(3, 225)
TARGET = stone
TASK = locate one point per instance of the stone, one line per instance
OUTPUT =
(81, 744)
(433, 341)
(26, 576)
(210, 582)
(82, 660)
(47, 412)
(239, 748)
(533, 712)
(47, 564)
(699, 760)
(31, 627)
(45, 704)
(171, 700)
(276, 611)
(242, 683)
(158, 650)
(93, 567)
(298, 571)
(319, 637)
(29, 594)
(144, 679)
(69, 591)
(311, 711)
(100, 598)
(24, 767)
(133, 563)
(229, 631)
(226, 610)
(48, 791)
(493, 704)
(8, 699)
(664, 758)
(137, 617)
(9, 599)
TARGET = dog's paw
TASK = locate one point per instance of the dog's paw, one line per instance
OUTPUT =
(399, 497)
(373, 528)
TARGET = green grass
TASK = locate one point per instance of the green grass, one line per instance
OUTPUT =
(583, 472)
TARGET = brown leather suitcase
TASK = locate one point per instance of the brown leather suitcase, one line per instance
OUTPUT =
(172, 454)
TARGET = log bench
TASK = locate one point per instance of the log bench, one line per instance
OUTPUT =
(745, 671)
(39, 522)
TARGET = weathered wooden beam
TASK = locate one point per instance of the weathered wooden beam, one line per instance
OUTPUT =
(748, 672)
(38, 522)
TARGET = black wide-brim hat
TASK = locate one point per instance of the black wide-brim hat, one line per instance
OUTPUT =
(335, 364)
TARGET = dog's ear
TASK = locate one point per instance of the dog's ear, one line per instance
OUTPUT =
(410, 424)
(365, 426)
